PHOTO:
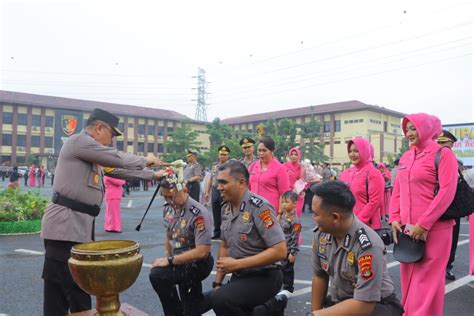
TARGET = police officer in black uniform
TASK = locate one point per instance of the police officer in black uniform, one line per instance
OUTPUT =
(188, 260)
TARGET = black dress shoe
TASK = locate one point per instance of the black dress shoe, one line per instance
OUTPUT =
(216, 236)
(450, 275)
(113, 231)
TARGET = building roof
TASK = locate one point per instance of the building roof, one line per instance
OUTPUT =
(87, 106)
(308, 110)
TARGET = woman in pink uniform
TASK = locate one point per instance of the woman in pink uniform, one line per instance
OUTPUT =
(414, 202)
(32, 176)
(113, 196)
(268, 177)
(386, 174)
(294, 169)
(365, 181)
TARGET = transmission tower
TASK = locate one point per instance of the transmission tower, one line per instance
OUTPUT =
(201, 113)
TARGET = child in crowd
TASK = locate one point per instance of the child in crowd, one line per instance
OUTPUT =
(291, 225)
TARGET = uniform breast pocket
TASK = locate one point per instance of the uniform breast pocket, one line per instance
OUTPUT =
(225, 224)
(348, 271)
(94, 180)
(245, 228)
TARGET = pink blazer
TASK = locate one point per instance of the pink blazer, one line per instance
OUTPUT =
(113, 188)
(271, 183)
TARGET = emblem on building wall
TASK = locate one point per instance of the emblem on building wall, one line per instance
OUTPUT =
(68, 124)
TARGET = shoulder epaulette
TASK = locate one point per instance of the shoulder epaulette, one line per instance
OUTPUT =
(194, 210)
(315, 229)
(363, 239)
(256, 201)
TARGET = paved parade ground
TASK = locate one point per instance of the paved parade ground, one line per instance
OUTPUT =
(21, 261)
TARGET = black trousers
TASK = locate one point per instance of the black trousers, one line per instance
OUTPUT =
(61, 294)
(308, 199)
(248, 294)
(188, 277)
(454, 243)
(389, 306)
(288, 270)
(216, 210)
(194, 190)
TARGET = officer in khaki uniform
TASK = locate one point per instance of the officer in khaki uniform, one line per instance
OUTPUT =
(188, 245)
(224, 152)
(193, 175)
(78, 193)
(348, 255)
(252, 245)
(247, 144)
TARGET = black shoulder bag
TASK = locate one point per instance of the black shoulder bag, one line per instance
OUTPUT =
(384, 233)
(463, 202)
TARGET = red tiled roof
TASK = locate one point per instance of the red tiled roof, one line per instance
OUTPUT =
(308, 110)
(85, 105)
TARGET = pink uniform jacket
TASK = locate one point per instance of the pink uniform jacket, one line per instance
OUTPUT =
(364, 178)
(414, 202)
(113, 188)
(271, 183)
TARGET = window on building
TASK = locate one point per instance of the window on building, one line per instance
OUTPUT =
(130, 143)
(120, 126)
(21, 140)
(159, 130)
(141, 147)
(141, 129)
(160, 148)
(150, 129)
(120, 144)
(130, 125)
(150, 147)
(35, 141)
(20, 159)
(49, 122)
(6, 139)
(48, 142)
(385, 126)
(7, 118)
(361, 121)
(36, 120)
(21, 118)
(346, 122)
(170, 130)
(337, 126)
(326, 127)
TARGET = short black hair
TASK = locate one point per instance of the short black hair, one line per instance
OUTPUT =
(335, 194)
(290, 195)
(268, 142)
(236, 169)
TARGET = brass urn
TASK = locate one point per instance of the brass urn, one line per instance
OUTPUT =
(104, 269)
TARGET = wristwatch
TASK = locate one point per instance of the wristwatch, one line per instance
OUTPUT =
(170, 260)
(216, 284)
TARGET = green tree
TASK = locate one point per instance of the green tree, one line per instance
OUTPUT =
(182, 139)
(310, 132)
(283, 133)
(220, 134)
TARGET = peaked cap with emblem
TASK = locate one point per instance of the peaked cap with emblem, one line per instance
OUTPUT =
(107, 117)
(246, 142)
(446, 136)
(223, 150)
(191, 152)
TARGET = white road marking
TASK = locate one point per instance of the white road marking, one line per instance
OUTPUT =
(465, 235)
(129, 204)
(458, 283)
(31, 252)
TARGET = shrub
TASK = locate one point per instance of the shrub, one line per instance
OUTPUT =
(21, 206)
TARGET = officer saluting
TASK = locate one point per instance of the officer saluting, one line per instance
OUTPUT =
(247, 145)
(188, 245)
(193, 175)
(348, 255)
(78, 194)
(252, 244)
(224, 152)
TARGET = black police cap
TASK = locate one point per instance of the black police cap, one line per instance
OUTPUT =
(446, 136)
(408, 250)
(246, 142)
(223, 150)
(107, 117)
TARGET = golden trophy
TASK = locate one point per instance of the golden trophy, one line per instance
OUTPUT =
(105, 269)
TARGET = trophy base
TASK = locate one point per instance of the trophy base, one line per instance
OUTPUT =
(125, 308)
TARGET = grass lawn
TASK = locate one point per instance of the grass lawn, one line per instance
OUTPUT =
(29, 226)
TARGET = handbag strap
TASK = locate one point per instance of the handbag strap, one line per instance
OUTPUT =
(438, 157)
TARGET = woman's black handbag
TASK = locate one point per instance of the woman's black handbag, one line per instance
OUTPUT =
(408, 250)
(463, 202)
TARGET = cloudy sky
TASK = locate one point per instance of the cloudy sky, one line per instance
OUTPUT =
(259, 56)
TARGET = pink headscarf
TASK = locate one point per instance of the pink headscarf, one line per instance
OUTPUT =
(295, 166)
(428, 127)
(364, 148)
